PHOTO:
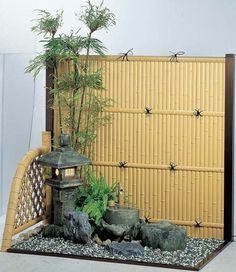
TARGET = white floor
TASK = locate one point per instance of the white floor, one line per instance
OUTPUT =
(9, 262)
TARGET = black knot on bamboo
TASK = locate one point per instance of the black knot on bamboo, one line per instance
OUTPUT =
(147, 219)
(123, 164)
(174, 56)
(148, 110)
(197, 113)
(197, 223)
(172, 166)
(124, 56)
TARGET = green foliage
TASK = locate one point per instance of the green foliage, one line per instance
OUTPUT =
(78, 100)
(46, 23)
(97, 17)
(93, 198)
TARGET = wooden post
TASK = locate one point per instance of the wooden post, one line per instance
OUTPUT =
(229, 146)
(46, 142)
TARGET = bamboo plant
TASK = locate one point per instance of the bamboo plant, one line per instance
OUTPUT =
(77, 93)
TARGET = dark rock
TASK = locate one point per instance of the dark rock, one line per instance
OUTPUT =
(115, 230)
(52, 230)
(77, 227)
(134, 233)
(126, 249)
(164, 235)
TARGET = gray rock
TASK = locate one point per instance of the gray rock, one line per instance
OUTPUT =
(77, 227)
(116, 230)
(134, 233)
(126, 249)
(164, 235)
(52, 230)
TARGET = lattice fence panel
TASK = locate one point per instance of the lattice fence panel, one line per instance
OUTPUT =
(32, 196)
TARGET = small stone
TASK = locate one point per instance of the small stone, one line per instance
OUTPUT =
(15, 241)
(126, 249)
(136, 241)
(97, 239)
(107, 242)
(38, 229)
(24, 236)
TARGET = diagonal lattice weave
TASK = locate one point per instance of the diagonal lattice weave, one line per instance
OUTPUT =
(32, 196)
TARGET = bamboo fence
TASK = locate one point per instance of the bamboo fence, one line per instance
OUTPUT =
(165, 112)
(30, 198)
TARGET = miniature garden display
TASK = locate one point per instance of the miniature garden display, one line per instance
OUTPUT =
(89, 218)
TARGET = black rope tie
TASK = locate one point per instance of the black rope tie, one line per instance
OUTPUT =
(124, 56)
(172, 166)
(197, 113)
(123, 164)
(148, 110)
(174, 56)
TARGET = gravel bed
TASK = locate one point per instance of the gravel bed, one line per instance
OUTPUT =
(196, 250)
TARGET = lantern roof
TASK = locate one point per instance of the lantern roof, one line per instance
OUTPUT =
(64, 156)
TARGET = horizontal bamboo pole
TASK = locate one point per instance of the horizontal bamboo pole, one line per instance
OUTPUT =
(191, 223)
(22, 168)
(164, 112)
(159, 59)
(161, 167)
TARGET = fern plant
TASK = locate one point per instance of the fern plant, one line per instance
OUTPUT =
(93, 198)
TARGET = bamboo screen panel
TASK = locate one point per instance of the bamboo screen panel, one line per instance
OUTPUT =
(191, 195)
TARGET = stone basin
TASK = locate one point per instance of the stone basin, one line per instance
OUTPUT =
(122, 216)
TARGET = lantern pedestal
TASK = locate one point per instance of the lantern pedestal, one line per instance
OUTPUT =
(64, 197)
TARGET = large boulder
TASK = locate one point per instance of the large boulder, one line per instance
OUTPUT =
(126, 249)
(134, 233)
(164, 235)
(77, 227)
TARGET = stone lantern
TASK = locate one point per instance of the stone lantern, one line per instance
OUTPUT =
(64, 181)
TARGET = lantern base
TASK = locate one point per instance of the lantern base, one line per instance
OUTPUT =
(64, 198)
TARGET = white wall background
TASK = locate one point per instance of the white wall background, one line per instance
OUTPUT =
(151, 27)
(21, 116)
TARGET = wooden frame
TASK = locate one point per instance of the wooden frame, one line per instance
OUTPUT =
(229, 146)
